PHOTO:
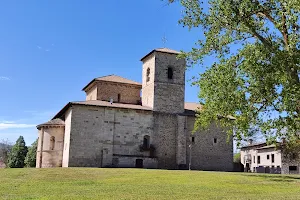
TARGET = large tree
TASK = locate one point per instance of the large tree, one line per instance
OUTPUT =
(5, 147)
(255, 77)
(17, 154)
(30, 160)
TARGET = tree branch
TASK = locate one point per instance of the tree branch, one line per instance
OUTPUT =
(284, 30)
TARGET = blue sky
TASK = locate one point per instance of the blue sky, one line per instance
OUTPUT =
(51, 49)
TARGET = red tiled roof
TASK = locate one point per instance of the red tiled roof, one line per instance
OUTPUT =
(115, 79)
(163, 50)
(53, 122)
(190, 108)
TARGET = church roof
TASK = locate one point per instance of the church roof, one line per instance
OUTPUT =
(112, 105)
(53, 122)
(190, 108)
(163, 50)
(113, 78)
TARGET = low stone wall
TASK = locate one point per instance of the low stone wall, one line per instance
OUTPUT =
(131, 162)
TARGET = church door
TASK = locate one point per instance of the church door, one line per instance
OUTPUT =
(139, 163)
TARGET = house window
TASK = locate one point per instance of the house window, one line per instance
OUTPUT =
(253, 159)
(148, 75)
(193, 139)
(146, 141)
(258, 159)
(215, 140)
(52, 143)
(119, 97)
(268, 157)
(170, 73)
(273, 158)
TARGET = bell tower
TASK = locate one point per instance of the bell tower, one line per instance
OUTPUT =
(163, 81)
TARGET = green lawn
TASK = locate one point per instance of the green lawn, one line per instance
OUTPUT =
(87, 183)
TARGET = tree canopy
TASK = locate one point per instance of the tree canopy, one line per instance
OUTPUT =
(255, 76)
(17, 154)
(30, 159)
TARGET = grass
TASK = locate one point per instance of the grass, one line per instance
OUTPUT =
(88, 183)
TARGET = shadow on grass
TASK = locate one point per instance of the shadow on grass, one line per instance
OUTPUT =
(275, 177)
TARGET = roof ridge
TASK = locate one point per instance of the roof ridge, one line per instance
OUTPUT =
(106, 76)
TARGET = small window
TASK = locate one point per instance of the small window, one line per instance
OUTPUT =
(52, 143)
(258, 159)
(146, 141)
(215, 140)
(193, 139)
(268, 157)
(293, 168)
(119, 97)
(170, 73)
(148, 75)
(273, 158)
(253, 159)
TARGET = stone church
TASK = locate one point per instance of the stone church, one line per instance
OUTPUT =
(123, 123)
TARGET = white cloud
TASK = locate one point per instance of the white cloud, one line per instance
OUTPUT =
(5, 125)
(4, 78)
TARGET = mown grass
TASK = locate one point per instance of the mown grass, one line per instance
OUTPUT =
(88, 183)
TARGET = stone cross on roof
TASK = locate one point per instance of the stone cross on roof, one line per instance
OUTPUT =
(164, 40)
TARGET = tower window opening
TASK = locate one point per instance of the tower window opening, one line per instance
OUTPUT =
(170, 73)
(215, 140)
(148, 75)
(193, 139)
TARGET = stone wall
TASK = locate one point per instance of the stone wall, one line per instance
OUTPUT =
(287, 162)
(127, 93)
(181, 141)
(169, 93)
(205, 153)
(99, 133)
(160, 92)
(68, 117)
(50, 157)
(91, 94)
(130, 162)
(165, 139)
(148, 84)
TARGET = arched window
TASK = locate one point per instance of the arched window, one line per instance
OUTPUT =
(146, 141)
(52, 143)
(170, 73)
(148, 75)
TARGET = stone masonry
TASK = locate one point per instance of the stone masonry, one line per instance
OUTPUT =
(116, 127)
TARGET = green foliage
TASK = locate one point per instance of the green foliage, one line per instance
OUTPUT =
(5, 148)
(18, 153)
(237, 158)
(255, 76)
(30, 160)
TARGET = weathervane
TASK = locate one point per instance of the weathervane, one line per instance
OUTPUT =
(164, 40)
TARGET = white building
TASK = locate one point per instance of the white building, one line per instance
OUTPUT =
(263, 158)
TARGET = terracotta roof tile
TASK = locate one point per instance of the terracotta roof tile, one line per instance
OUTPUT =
(113, 78)
(192, 106)
(113, 105)
(117, 79)
(53, 122)
(163, 50)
